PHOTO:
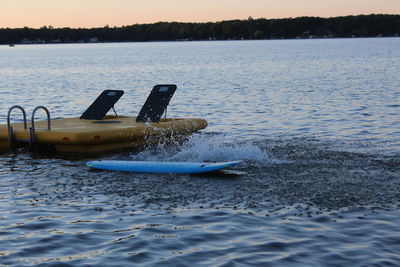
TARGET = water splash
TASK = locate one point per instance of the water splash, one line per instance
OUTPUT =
(200, 147)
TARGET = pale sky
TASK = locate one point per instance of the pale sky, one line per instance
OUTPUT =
(98, 13)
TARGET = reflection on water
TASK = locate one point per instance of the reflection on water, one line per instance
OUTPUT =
(316, 122)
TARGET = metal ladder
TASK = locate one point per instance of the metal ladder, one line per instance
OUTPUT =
(32, 130)
(11, 139)
(32, 137)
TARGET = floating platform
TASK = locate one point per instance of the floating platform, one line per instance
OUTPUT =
(95, 131)
(111, 133)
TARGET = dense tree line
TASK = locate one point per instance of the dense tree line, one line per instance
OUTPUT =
(301, 27)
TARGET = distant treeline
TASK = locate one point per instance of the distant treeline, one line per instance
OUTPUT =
(301, 27)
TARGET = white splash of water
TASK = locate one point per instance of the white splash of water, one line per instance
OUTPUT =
(200, 148)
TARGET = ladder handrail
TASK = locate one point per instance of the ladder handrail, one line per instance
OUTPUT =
(10, 128)
(32, 128)
(23, 113)
(47, 113)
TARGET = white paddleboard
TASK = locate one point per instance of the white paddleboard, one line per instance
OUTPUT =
(160, 166)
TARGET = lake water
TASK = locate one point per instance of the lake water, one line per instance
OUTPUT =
(317, 123)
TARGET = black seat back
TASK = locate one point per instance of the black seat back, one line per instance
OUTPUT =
(156, 103)
(103, 103)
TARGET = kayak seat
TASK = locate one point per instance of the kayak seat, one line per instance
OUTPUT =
(156, 103)
(103, 103)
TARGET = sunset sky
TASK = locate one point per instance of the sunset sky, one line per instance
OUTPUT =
(98, 13)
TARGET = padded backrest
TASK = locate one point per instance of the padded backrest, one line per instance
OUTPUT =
(103, 103)
(156, 103)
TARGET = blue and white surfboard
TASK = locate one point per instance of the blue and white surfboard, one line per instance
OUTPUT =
(160, 166)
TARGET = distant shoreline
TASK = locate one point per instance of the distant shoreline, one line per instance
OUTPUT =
(177, 41)
(373, 25)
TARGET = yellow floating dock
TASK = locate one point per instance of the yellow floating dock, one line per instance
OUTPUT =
(95, 131)
(110, 133)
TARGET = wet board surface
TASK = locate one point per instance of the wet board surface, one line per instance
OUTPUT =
(160, 166)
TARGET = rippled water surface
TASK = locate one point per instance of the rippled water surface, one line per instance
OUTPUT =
(317, 123)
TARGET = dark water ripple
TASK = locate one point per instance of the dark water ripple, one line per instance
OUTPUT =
(218, 237)
(313, 206)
